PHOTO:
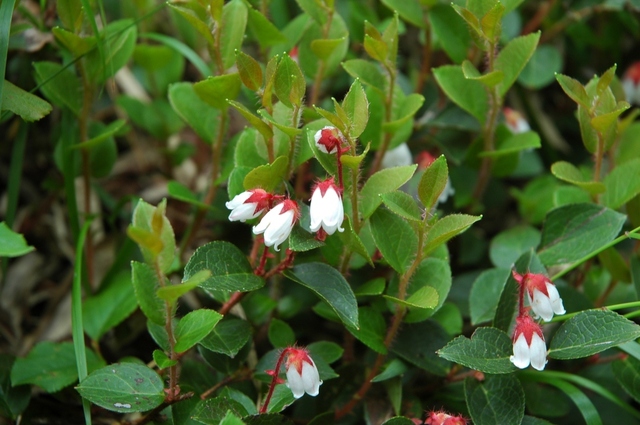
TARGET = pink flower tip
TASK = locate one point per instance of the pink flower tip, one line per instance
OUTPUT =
(444, 418)
(329, 139)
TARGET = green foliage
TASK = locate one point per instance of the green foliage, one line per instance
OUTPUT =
(443, 193)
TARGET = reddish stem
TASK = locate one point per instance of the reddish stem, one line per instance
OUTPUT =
(235, 299)
(286, 263)
(259, 271)
(274, 380)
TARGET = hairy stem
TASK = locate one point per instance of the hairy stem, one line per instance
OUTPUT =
(274, 380)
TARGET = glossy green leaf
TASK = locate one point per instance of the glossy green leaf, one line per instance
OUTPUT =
(260, 125)
(622, 184)
(384, 181)
(590, 332)
(230, 269)
(490, 79)
(410, 11)
(485, 294)
(394, 368)
(353, 241)
(488, 351)
(395, 238)
(573, 231)
(228, 337)
(328, 284)
(323, 48)
(268, 176)
(280, 334)
(627, 373)
(51, 366)
(12, 244)
(289, 83)
(216, 90)
(452, 33)
(213, 410)
(263, 30)
(491, 22)
(411, 345)
(194, 327)
(569, 173)
(124, 388)
(447, 228)
(470, 95)
(196, 15)
(494, 400)
(314, 10)
(424, 298)
(162, 360)
(193, 110)
(433, 182)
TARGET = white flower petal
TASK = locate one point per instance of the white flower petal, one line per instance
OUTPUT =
(521, 354)
(311, 379)
(295, 382)
(316, 209)
(397, 157)
(541, 305)
(238, 200)
(554, 297)
(244, 212)
(279, 229)
(538, 352)
(267, 219)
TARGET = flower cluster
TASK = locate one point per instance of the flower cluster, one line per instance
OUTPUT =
(326, 209)
(529, 347)
(444, 418)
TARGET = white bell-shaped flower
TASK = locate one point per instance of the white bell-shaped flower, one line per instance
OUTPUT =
(302, 373)
(248, 205)
(528, 344)
(326, 208)
(277, 223)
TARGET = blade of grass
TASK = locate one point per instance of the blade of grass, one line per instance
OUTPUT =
(181, 48)
(582, 402)
(6, 12)
(67, 139)
(76, 317)
(94, 27)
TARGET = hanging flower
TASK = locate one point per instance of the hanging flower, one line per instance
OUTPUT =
(397, 157)
(302, 373)
(515, 121)
(277, 223)
(631, 83)
(329, 139)
(326, 208)
(248, 205)
(443, 418)
(528, 344)
(542, 294)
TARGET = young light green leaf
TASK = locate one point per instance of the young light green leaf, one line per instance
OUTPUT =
(216, 90)
(622, 184)
(70, 13)
(143, 219)
(323, 48)
(402, 204)
(162, 360)
(574, 90)
(260, 125)
(230, 269)
(590, 332)
(602, 123)
(356, 107)
(354, 162)
(289, 83)
(605, 80)
(573, 231)
(268, 176)
(488, 351)
(470, 95)
(569, 173)
(424, 298)
(513, 144)
(196, 15)
(367, 72)
(194, 327)
(233, 23)
(124, 388)
(51, 366)
(447, 228)
(433, 182)
(262, 30)
(513, 57)
(410, 105)
(410, 11)
(496, 399)
(27, 106)
(376, 48)
(60, 85)
(384, 181)
(12, 244)
(395, 238)
(171, 293)
(193, 110)
(469, 18)
(145, 286)
(490, 79)
(485, 294)
(330, 286)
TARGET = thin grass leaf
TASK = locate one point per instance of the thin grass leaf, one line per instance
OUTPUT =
(67, 138)
(77, 328)
(181, 48)
(6, 11)
(86, 6)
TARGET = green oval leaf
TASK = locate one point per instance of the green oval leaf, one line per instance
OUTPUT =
(495, 400)
(124, 388)
(330, 286)
(384, 181)
(193, 327)
(569, 173)
(488, 351)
